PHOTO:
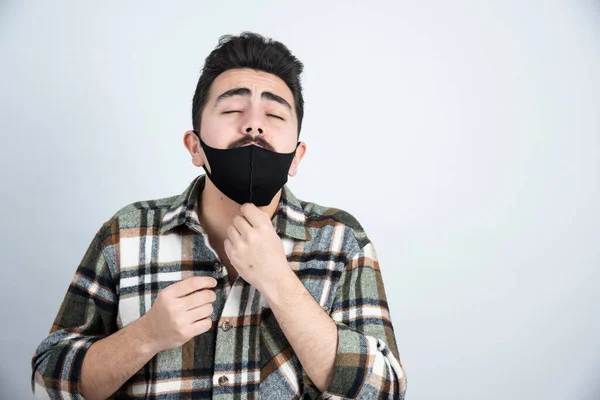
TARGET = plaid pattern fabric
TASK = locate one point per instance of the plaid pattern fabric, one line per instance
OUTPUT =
(147, 246)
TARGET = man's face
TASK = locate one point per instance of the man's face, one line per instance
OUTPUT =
(240, 99)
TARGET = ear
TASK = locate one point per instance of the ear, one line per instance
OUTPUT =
(300, 153)
(192, 144)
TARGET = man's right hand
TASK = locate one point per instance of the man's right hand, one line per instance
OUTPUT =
(180, 312)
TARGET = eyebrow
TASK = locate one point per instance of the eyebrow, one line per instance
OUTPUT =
(242, 91)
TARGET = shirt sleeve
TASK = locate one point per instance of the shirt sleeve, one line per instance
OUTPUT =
(87, 314)
(367, 363)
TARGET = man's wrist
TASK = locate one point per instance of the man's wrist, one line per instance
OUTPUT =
(141, 329)
(283, 288)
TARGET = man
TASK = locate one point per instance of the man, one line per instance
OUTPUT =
(234, 289)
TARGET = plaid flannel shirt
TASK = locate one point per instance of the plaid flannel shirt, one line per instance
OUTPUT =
(149, 245)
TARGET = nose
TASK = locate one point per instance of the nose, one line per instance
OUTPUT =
(249, 130)
(253, 123)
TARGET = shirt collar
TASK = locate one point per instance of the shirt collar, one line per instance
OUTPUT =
(289, 218)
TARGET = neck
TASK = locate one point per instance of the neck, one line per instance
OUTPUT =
(217, 211)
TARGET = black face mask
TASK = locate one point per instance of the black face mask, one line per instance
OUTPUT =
(248, 174)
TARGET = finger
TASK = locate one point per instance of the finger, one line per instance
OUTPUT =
(198, 299)
(228, 246)
(199, 313)
(253, 215)
(242, 225)
(199, 327)
(190, 285)
(233, 234)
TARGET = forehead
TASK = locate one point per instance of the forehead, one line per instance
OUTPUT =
(256, 81)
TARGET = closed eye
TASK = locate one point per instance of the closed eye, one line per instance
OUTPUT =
(238, 111)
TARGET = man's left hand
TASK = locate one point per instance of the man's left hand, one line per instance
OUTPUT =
(255, 249)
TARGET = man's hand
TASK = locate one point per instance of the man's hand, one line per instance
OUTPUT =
(255, 249)
(180, 312)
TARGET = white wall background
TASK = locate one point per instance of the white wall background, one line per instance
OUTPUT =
(463, 135)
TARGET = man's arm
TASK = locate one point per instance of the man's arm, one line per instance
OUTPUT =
(105, 364)
(310, 331)
(353, 353)
(181, 312)
(86, 355)
(365, 361)
(87, 315)
(110, 362)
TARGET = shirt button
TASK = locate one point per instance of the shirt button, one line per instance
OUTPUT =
(218, 267)
(226, 325)
(223, 380)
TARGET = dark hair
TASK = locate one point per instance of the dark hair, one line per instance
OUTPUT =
(249, 50)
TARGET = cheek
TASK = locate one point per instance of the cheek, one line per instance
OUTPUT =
(218, 134)
(283, 139)
(287, 144)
